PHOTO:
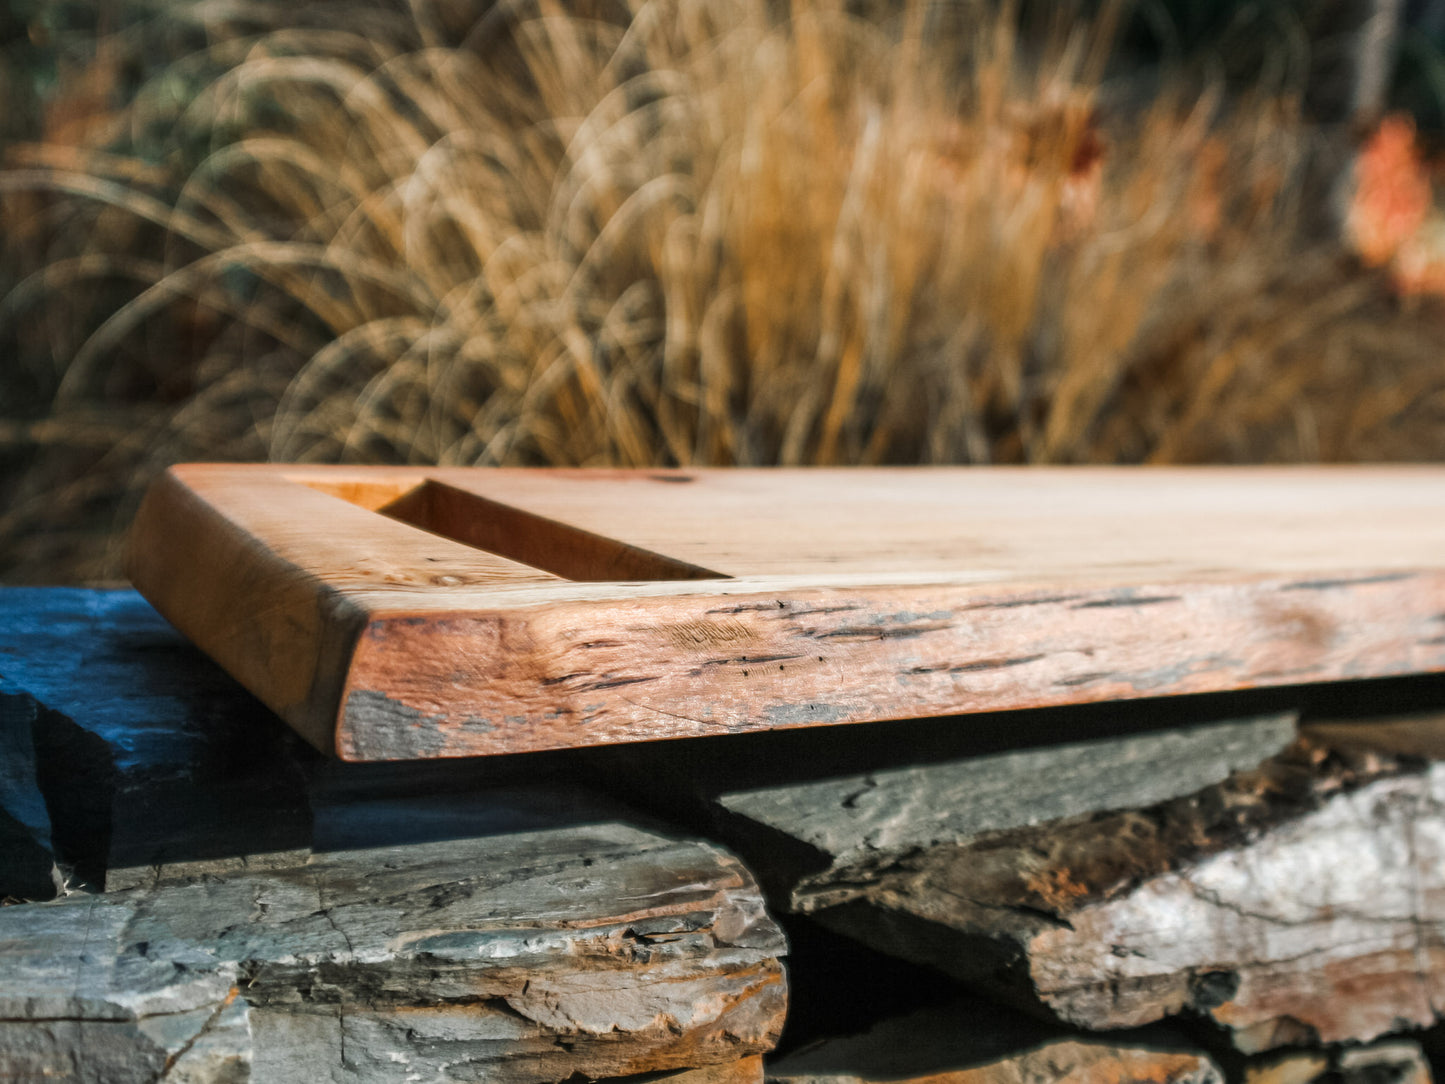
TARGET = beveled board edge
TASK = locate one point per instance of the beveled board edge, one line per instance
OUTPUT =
(572, 674)
(208, 575)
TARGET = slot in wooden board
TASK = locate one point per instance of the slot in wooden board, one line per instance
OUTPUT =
(402, 613)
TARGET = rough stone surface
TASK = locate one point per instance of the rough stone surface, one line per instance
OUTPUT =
(1395, 1061)
(809, 807)
(979, 1044)
(1293, 894)
(110, 663)
(273, 916)
(132, 759)
(856, 820)
(587, 946)
(742, 1071)
(1301, 902)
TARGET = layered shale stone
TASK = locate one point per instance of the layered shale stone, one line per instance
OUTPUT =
(1291, 893)
(211, 1044)
(980, 1044)
(743, 1071)
(811, 809)
(1300, 902)
(585, 947)
(856, 821)
(270, 915)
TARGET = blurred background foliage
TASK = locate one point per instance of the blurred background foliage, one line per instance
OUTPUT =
(628, 232)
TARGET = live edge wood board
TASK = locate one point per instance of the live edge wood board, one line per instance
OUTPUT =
(402, 613)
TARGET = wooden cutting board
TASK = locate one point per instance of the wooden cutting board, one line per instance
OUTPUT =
(416, 612)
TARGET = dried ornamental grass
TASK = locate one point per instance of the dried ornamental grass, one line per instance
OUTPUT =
(697, 231)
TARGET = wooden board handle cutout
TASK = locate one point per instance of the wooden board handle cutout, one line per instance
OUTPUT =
(402, 613)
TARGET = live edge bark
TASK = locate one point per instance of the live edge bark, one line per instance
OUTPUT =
(839, 597)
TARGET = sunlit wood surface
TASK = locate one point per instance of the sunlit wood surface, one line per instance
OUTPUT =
(409, 612)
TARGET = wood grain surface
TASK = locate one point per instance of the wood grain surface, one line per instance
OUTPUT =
(398, 613)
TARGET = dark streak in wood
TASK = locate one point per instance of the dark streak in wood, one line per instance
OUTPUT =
(753, 659)
(615, 683)
(1016, 603)
(1358, 581)
(565, 678)
(1126, 600)
(994, 664)
(852, 633)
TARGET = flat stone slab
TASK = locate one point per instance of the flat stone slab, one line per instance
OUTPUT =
(854, 821)
(1292, 891)
(270, 915)
(597, 948)
(1301, 902)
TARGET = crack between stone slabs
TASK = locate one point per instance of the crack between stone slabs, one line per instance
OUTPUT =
(341, 1036)
(325, 913)
(1023, 910)
(1114, 982)
(84, 944)
(204, 1028)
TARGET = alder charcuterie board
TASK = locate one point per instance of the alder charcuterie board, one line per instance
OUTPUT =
(403, 613)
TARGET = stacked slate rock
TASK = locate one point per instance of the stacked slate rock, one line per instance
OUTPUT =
(232, 907)
(1197, 890)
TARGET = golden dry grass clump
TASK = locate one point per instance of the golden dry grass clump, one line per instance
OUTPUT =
(690, 231)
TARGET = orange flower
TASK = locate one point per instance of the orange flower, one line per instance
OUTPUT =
(1392, 193)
